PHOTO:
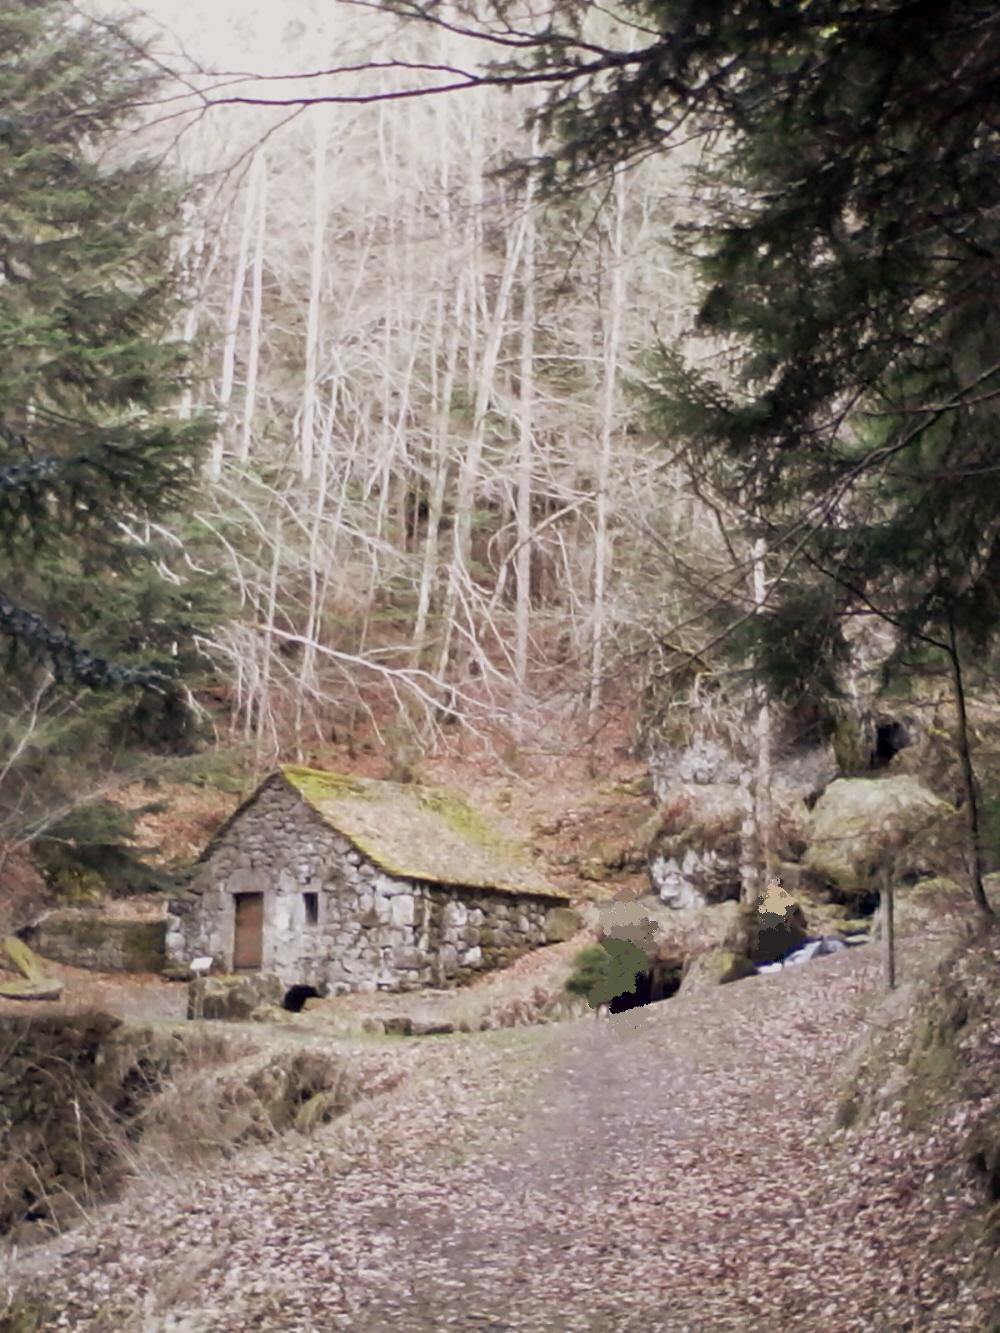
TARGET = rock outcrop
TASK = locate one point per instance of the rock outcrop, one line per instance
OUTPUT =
(862, 827)
(715, 967)
(695, 852)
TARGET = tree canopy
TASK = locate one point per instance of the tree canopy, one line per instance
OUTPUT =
(97, 631)
(91, 446)
(849, 257)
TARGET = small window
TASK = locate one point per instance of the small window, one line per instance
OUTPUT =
(311, 901)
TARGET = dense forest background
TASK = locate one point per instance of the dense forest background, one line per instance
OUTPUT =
(694, 421)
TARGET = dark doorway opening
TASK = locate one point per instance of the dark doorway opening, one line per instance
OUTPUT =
(659, 982)
(890, 738)
(296, 996)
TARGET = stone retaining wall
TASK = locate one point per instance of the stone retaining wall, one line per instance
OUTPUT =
(373, 931)
(94, 940)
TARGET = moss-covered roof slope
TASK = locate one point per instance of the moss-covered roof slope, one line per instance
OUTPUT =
(416, 832)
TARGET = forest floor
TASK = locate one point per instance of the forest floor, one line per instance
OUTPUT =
(673, 1168)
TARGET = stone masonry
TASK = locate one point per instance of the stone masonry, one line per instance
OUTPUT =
(372, 930)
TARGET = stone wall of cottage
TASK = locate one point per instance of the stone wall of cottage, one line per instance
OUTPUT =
(372, 931)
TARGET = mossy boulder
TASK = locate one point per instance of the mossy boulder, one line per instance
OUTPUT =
(919, 907)
(20, 988)
(561, 924)
(233, 998)
(861, 828)
(23, 958)
(715, 967)
(33, 982)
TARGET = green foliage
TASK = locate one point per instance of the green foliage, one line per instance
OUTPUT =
(590, 969)
(602, 971)
(849, 257)
(85, 854)
(797, 645)
(90, 448)
(102, 606)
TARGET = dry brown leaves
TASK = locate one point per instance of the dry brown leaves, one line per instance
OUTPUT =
(667, 1169)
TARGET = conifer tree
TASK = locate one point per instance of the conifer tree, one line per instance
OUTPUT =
(92, 452)
(850, 264)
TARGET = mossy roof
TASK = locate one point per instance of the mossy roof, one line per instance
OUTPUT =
(417, 832)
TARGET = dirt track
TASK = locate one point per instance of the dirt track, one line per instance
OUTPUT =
(661, 1170)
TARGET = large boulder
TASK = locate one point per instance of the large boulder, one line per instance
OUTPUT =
(233, 997)
(715, 967)
(694, 853)
(561, 924)
(861, 828)
(929, 905)
(711, 760)
(33, 983)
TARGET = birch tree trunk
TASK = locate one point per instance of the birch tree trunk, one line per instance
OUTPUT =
(762, 786)
(259, 190)
(439, 482)
(229, 342)
(525, 451)
(469, 471)
(190, 259)
(755, 780)
(609, 400)
(310, 388)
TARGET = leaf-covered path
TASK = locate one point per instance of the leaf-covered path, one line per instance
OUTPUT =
(666, 1169)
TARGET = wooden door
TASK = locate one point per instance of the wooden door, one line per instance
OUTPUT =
(248, 935)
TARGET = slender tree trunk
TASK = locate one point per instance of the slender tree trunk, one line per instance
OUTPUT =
(318, 575)
(755, 779)
(229, 343)
(887, 907)
(191, 262)
(257, 292)
(310, 386)
(522, 611)
(609, 399)
(469, 473)
(439, 483)
(974, 841)
(762, 788)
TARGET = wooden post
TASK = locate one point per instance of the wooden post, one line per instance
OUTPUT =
(887, 905)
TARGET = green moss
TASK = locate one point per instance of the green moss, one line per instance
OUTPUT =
(24, 959)
(417, 833)
(315, 784)
(847, 744)
(461, 818)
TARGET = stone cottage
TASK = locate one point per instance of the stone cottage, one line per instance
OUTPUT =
(344, 883)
